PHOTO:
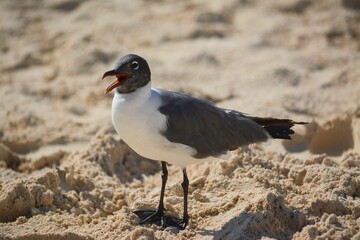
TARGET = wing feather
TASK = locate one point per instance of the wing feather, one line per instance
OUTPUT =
(212, 131)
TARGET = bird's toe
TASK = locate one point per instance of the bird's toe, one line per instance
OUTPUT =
(149, 216)
(160, 219)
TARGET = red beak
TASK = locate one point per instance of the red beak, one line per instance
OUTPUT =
(117, 82)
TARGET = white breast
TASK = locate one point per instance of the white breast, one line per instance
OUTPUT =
(139, 123)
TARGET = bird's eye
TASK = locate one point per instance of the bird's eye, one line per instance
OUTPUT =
(134, 65)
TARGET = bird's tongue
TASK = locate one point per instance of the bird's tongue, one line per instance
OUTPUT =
(120, 77)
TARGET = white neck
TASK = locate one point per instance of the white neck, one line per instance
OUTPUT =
(138, 97)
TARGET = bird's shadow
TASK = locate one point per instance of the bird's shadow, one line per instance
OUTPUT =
(134, 167)
(252, 225)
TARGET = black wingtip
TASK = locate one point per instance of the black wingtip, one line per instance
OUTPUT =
(277, 128)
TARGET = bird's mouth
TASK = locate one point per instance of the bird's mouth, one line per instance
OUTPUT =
(120, 77)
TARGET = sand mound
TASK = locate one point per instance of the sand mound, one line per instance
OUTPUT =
(254, 194)
(342, 131)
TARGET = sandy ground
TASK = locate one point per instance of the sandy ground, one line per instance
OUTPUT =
(65, 174)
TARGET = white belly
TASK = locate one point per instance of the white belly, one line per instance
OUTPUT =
(139, 123)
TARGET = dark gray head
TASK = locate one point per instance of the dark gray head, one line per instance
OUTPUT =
(131, 72)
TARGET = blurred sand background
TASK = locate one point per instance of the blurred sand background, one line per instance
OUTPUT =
(65, 174)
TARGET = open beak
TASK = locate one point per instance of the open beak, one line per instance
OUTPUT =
(117, 82)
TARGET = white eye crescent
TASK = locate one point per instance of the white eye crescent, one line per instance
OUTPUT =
(134, 65)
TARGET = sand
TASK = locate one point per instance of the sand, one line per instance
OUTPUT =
(65, 174)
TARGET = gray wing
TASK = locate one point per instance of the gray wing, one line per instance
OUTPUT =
(210, 130)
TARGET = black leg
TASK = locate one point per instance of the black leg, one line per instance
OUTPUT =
(185, 184)
(164, 176)
(156, 217)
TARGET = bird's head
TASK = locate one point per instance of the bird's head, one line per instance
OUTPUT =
(131, 72)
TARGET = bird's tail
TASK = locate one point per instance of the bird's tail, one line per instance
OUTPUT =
(277, 128)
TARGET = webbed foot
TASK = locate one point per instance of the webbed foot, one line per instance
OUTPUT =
(159, 218)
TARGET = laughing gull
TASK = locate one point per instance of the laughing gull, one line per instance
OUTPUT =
(178, 129)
